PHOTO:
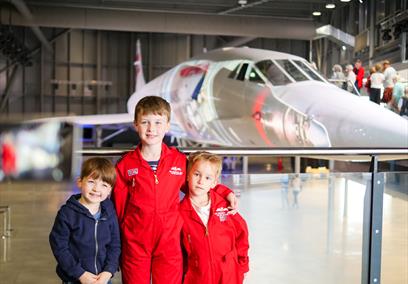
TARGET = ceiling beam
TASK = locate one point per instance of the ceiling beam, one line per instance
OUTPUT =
(137, 21)
(241, 7)
(25, 12)
(238, 41)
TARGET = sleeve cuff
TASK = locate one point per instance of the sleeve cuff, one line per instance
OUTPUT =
(77, 272)
(111, 269)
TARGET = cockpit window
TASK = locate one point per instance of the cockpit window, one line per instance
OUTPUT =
(254, 77)
(292, 70)
(234, 72)
(239, 72)
(273, 73)
(307, 69)
(242, 72)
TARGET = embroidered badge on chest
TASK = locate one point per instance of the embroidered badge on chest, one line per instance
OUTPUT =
(176, 171)
(221, 213)
(132, 172)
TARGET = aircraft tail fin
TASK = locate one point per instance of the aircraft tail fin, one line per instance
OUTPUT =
(140, 80)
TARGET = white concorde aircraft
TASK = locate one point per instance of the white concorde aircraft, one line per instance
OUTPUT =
(259, 98)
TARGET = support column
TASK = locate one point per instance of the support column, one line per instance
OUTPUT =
(98, 136)
(372, 226)
(330, 208)
(371, 32)
(68, 100)
(345, 203)
(6, 94)
(42, 78)
(297, 165)
(98, 71)
(245, 172)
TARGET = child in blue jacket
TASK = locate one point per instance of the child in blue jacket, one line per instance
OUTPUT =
(85, 237)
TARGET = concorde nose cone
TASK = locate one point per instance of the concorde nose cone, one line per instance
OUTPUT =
(369, 125)
(350, 121)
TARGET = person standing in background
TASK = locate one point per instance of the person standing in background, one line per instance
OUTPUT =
(338, 75)
(377, 80)
(351, 78)
(368, 82)
(389, 74)
(359, 71)
(397, 93)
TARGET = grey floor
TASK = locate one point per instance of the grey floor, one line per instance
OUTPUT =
(315, 240)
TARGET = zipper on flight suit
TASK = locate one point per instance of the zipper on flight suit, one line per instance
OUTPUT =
(207, 235)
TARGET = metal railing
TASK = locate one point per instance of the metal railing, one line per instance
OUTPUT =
(347, 83)
(401, 153)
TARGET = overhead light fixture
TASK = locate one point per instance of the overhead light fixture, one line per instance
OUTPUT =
(343, 47)
(330, 6)
(316, 13)
(361, 1)
(345, 0)
(242, 2)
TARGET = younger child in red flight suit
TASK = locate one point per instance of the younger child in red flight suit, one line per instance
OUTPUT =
(215, 242)
(146, 198)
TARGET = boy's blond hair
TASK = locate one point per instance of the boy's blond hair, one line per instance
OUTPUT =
(205, 156)
(152, 105)
(99, 168)
(378, 67)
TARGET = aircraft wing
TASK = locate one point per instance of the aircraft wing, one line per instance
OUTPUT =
(98, 119)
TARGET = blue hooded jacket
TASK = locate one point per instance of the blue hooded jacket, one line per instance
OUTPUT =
(80, 243)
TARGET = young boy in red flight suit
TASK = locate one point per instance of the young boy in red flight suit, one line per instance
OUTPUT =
(146, 198)
(215, 242)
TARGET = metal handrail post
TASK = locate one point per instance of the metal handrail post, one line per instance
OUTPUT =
(6, 220)
(4, 235)
(372, 226)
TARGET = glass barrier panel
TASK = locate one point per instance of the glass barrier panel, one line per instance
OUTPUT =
(305, 229)
(302, 229)
(394, 261)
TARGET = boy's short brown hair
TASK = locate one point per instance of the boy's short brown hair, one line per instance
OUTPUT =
(99, 168)
(152, 105)
(204, 156)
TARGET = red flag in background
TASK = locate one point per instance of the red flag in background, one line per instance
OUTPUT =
(140, 80)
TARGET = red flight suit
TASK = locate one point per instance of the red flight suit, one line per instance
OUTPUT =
(8, 159)
(359, 76)
(218, 253)
(147, 206)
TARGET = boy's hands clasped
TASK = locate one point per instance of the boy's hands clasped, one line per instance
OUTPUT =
(103, 277)
(90, 278)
